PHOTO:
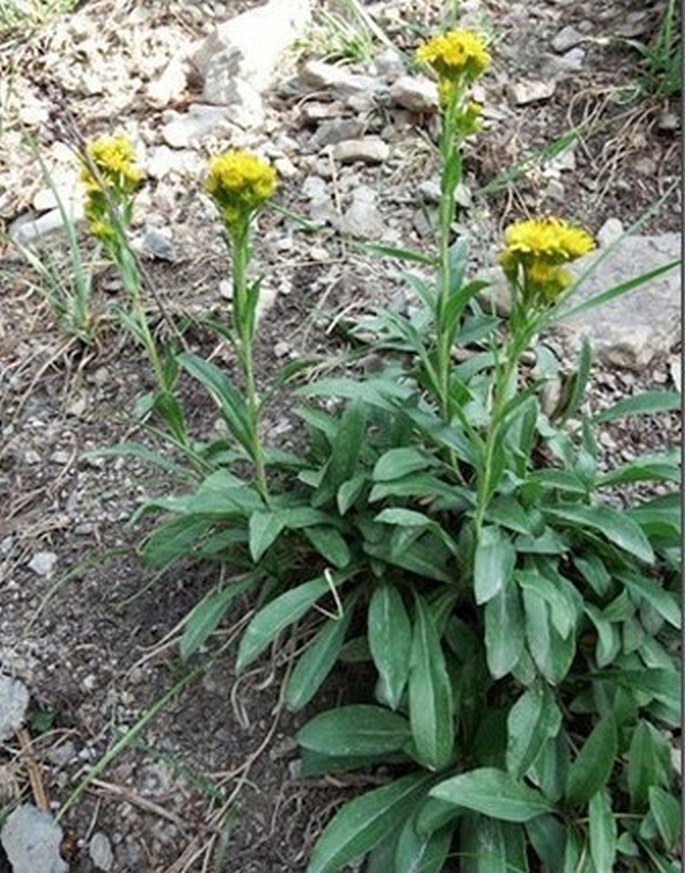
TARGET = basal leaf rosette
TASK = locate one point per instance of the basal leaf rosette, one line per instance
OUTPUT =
(239, 183)
(536, 250)
(111, 178)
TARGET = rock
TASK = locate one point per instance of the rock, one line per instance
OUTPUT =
(14, 700)
(568, 64)
(281, 349)
(609, 232)
(668, 122)
(187, 129)
(362, 219)
(430, 190)
(27, 228)
(675, 368)
(239, 59)
(635, 328)
(496, 295)
(319, 75)
(367, 150)
(532, 90)
(171, 85)
(162, 160)
(156, 244)
(100, 851)
(389, 63)
(321, 207)
(31, 840)
(416, 93)
(567, 38)
(43, 563)
(332, 132)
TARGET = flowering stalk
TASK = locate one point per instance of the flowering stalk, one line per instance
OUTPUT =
(459, 58)
(240, 183)
(532, 261)
(111, 179)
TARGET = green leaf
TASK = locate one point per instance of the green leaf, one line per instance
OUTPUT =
(264, 527)
(349, 492)
(550, 770)
(534, 718)
(396, 463)
(616, 526)
(504, 631)
(430, 693)
(390, 641)
(396, 253)
(667, 814)
(363, 822)
(649, 764)
(317, 660)
(663, 601)
(548, 837)
(495, 793)
(593, 765)
(220, 387)
(491, 846)
(603, 831)
(493, 563)
(608, 637)
(203, 620)
(421, 853)
(562, 607)
(330, 544)
(347, 445)
(653, 469)
(277, 615)
(552, 653)
(579, 380)
(360, 729)
(647, 403)
(173, 540)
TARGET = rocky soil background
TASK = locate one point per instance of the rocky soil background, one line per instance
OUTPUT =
(88, 639)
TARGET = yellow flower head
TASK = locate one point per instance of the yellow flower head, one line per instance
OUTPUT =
(239, 183)
(539, 246)
(549, 239)
(114, 159)
(457, 55)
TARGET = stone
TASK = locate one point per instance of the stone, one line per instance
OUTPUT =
(568, 64)
(156, 244)
(636, 328)
(28, 228)
(322, 75)
(14, 700)
(609, 232)
(430, 190)
(567, 38)
(367, 150)
(43, 563)
(100, 851)
(170, 85)
(415, 93)
(189, 128)
(333, 131)
(531, 91)
(321, 207)
(362, 219)
(239, 59)
(668, 122)
(31, 839)
(389, 63)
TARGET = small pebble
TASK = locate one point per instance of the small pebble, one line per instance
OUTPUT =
(100, 851)
(43, 563)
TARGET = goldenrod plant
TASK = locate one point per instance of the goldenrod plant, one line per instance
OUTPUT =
(445, 530)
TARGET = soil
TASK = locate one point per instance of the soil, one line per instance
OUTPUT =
(212, 781)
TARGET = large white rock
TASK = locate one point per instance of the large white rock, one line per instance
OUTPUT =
(31, 840)
(238, 61)
(635, 328)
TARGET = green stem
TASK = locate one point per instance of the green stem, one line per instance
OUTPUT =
(244, 316)
(518, 340)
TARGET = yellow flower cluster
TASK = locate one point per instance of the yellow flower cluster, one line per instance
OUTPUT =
(239, 183)
(455, 56)
(114, 159)
(539, 246)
